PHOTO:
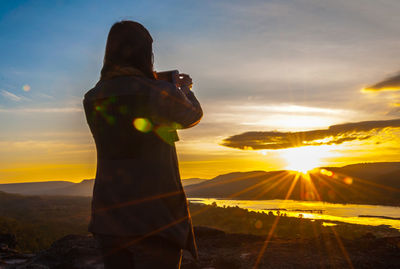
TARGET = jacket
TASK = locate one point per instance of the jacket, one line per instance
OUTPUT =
(138, 190)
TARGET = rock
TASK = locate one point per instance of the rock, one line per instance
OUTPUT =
(203, 231)
(188, 262)
(9, 240)
(220, 250)
(71, 252)
(9, 257)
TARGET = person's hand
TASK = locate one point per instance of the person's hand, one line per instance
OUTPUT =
(185, 82)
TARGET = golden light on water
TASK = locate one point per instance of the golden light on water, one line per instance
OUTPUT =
(329, 212)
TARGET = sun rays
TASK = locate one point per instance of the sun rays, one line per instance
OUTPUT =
(304, 159)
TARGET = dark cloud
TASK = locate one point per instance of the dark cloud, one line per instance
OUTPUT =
(391, 83)
(335, 134)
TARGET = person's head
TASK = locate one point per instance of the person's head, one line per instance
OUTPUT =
(129, 44)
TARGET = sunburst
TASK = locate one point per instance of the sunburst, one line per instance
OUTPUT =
(304, 159)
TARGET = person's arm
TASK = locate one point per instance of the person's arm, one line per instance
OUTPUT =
(178, 108)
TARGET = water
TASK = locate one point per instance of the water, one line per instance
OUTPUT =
(317, 210)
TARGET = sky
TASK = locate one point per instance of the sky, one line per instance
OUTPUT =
(283, 84)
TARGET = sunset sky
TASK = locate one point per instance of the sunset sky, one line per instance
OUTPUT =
(283, 84)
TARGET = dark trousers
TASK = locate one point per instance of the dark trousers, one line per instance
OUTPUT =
(132, 253)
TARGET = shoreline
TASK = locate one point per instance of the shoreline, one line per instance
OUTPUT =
(334, 203)
(350, 213)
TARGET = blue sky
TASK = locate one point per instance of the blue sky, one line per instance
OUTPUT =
(257, 66)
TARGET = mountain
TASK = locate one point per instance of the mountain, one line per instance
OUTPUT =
(241, 185)
(367, 183)
(83, 188)
(35, 188)
(375, 183)
(391, 179)
(368, 171)
(191, 181)
(227, 185)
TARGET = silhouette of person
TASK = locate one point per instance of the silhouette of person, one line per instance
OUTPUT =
(139, 215)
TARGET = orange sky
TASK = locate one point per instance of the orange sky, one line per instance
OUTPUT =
(31, 161)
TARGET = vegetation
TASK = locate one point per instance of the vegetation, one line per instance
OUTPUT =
(37, 221)
(238, 220)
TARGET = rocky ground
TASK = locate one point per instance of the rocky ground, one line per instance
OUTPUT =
(220, 250)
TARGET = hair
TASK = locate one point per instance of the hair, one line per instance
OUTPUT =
(129, 44)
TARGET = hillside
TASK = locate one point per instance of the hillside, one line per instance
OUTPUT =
(366, 183)
(39, 220)
(369, 171)
(363, 184)
(83, 188)
(191, 181)
(34, 188)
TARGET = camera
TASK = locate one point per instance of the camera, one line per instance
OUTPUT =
(171, 76)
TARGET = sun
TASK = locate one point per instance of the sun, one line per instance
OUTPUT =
(304, 159)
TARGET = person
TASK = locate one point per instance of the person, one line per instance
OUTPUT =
(139, 211)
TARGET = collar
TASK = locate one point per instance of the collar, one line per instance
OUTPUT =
(117, 71)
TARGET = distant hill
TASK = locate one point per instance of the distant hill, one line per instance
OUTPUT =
(229, 185)
(391, 179)
(369, 171)
(366, 183)
(35, 188)
(385, 173)
(191, 181)
(374, 183)
(83, 188)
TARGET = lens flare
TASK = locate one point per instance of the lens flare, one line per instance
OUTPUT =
(26, 88)
(143, 125)
(326, 172)
(348, 180)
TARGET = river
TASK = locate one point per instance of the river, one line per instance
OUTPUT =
(349, 213)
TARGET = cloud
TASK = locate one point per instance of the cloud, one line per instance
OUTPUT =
(41, 110)
(335, 134)
(389, 84)
(43, 95)
(10, 96)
